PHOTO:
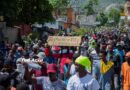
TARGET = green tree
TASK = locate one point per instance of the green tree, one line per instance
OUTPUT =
(114, 14)
(59, 6)
(26, 11)
(102, 18)
(31, 11)
(8, 9)
(90, 7)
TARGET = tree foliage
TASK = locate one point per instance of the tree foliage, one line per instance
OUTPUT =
(115, 15)
(102, 18)
(26, 11)
(8, 9)
(30, 11)
(60, 5)
(112, 17)
(90, 7)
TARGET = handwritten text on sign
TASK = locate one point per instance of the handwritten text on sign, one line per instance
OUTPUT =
(64, 41)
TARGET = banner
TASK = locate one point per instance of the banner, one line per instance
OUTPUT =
(64, 40)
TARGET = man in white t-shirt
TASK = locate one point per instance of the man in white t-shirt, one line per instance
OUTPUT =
(82, 80)
(51, 82)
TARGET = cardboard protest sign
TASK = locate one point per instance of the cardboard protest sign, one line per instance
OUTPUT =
(64, 40)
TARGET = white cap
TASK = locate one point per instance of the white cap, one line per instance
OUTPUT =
(35, 46)
(41, 55)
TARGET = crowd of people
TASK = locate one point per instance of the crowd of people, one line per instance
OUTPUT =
(101, 62)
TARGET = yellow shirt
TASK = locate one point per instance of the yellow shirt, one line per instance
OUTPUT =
(105, 67)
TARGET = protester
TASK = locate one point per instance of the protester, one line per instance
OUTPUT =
(100, 54)
(104, 72)
(118, 60)
(51, 82)
(39, 72)
(126, 72)
(71, 70)
(82, 80)
(65, 67)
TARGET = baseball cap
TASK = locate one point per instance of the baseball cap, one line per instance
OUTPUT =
(20, 48)
(35, 46)
(56, 48)
(128, 54)
(52, 68)
(41, 55)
